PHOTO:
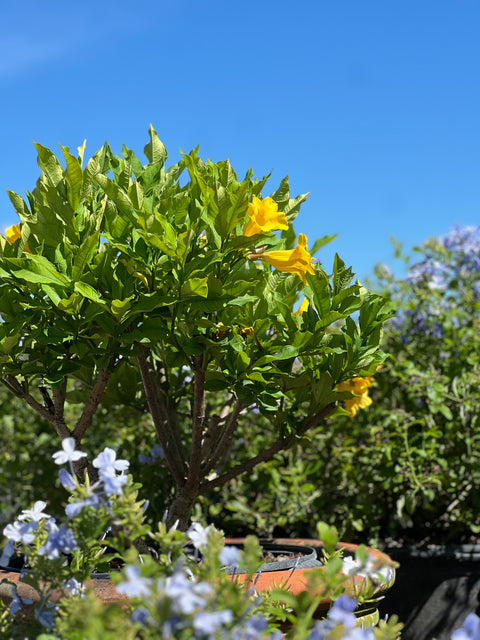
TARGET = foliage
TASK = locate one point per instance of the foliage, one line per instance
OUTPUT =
(182, 593)
(416, 447)
(137, 287)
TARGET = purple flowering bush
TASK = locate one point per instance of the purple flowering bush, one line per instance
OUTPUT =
(177, 591)
(425, 415)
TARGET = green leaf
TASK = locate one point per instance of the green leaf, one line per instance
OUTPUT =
(38, 270)
(135, 193)
(284, 353)
(241, 301)
(84, 254)
(321, 242)
(120, 307)
(19, 203)
(74, 177)
(49, 164)
(155, 150)
(118, 195)
(195, 287)
(87, 291)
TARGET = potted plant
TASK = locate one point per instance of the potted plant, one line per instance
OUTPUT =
(176, 294)
(185, 293)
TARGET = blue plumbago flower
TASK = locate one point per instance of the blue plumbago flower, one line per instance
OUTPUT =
(74, 508)
(36, 514)
(199, 535)
(74, 586)
(142, 616)
(186, 595)
(470, 629)
(342, 612)
(67, 481)
(60, 540)
(253, 628)
(7, 553)
(206, 623)
(68, 453)
(230, 556)
(135, 585)
(157, 452)
(23, 532)
(369, 569)
(17, 602)
(45, 614)
(113, 484)
(107, 463)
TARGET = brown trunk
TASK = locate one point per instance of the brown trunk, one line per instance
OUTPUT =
(180, 511)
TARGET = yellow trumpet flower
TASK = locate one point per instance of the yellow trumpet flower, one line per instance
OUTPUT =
(303, 307)
(264, 216)
(13, 233)
(296, 260)
(359, 387)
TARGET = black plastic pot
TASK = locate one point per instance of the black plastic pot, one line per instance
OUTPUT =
(435, 589)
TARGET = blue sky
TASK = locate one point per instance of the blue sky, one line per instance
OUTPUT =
(372, 107)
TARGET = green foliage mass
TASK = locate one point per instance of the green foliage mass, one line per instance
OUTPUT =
(135, 286)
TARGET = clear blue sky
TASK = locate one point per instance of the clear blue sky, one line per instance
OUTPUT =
(371, 106)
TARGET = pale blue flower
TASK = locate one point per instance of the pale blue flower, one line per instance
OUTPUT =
(157, 452)
(470, 629)
(186, 595)
(23, 532)
(36, 514)
(108, 464)
(7, 553)
(74, 508)
(254, 628)
(60, 540)
(206, 623)
(199, 535)
(230, 556)
(112, 485)
(368, 569)
(142, 616)
(67, 480)
(68, 453)
(342, 612)
(18, 602)
(46, 614)
(135, 585)
(74, 586)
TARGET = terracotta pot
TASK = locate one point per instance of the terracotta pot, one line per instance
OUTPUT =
(102, 586)
(297, 580)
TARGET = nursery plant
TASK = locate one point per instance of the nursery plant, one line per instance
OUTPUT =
(183, 293)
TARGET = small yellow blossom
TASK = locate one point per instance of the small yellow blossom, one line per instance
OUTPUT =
(359, 387)
(264, 216)
(13, 233)
(296, 260)
(303, 307)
